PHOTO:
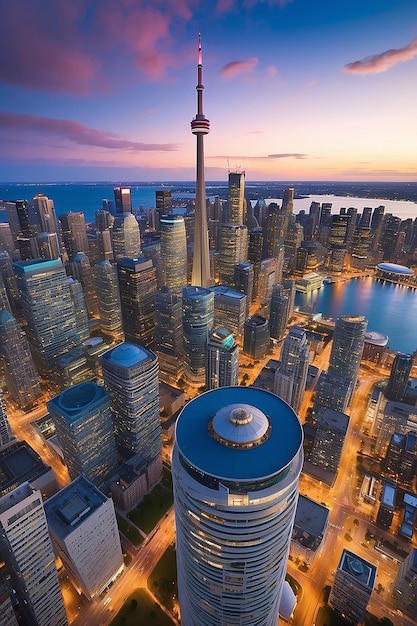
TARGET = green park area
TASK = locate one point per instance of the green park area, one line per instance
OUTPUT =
(141, 608)
(163, 579)
(129, 531)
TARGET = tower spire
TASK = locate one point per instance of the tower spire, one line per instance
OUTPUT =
(200, 126)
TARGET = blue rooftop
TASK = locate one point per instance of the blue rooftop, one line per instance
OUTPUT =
(75, 401)
(238, 433)
(127, 355)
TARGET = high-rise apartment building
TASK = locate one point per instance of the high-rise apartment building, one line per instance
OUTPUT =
(198, 323)
(108, 300)
(200, 126)
(347, 348)
(137, 287)
(174, 251)
(84, 426)
(27, 551)
(83, 527)
(222, 369)
(168, 334)
(290, 377)
(130, 375)
(47, 304)
(45, 214)
(353, 583)
(19, 371)
(235, 496)
(398, 379)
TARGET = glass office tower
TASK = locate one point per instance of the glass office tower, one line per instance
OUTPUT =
(198, 322)
(47, 305)
(174, 251)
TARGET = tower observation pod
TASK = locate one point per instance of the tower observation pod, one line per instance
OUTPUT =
(236, 463)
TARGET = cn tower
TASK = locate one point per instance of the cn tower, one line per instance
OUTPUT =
(200, 126)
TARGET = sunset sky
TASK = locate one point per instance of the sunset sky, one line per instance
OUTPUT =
(96, 90)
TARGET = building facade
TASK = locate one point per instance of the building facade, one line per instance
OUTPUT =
(222, 369)
(84, 426)
(174, 251)
(235, 495)
(84, 532)
(353, 583)
(130, 374)
(27, 550)
(198, 323)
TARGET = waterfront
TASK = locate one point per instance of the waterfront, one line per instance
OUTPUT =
(399, 199)
(391, 309)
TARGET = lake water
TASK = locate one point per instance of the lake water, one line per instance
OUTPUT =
(390, 309)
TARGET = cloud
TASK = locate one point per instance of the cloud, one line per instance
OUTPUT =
(226, 6)
(280, 155)
(288, 155)
(382, 62)
(81, 46)
(239, 67)
(76, 133)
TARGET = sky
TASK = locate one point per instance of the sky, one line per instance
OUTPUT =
(104, 90)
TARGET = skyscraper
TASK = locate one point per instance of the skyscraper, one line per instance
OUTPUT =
(130, 376)
(198, 323)
(222, 368)
(290, 378)
(174, 251)
(122, 200)
(233, 250)
(256, 337)
(200, 126)
(108, 300)
(347, 348)
(168, 334)
(46, 300)
(27, 551)
(236, 202)
(6, 436)
(126, 236)
(352, 587)
(83, 422)
(74, 233)
(20, 375)
(235, 496)
(137, 286)
(398, 379)
(83, 526)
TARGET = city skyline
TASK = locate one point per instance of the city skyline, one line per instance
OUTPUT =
(292, 93)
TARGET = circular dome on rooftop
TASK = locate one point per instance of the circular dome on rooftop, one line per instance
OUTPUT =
(393, 268)
(240, 425)
(128, 354)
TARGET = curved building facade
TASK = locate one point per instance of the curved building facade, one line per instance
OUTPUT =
(236, 463)
(197, 322)
(174, 251)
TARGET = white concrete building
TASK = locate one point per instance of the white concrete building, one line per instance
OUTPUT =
(83, 526)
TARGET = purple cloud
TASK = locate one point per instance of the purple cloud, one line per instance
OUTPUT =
(79, 46)
(382, 62)
(239, 67)
(76, 133)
